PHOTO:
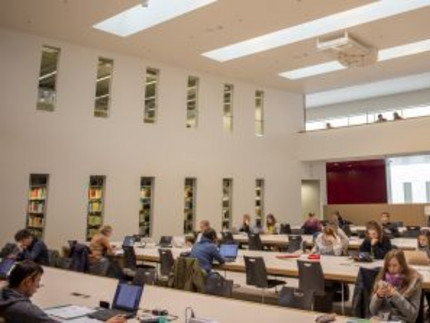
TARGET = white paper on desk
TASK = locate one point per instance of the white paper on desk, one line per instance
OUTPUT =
(68, 312)
(83, 320)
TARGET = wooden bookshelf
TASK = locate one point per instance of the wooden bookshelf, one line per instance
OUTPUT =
(95, 205)
(145, 212)
(259, 201)
(192, 102)
(151, 93)
(227, 194)
(189, 204)
(37, 204)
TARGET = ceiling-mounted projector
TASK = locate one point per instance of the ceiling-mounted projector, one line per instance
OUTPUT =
(347, 50)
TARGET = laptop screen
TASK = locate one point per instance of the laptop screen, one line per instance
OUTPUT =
(127, 297)
(229, 250)
(6, 266)
(128, 241)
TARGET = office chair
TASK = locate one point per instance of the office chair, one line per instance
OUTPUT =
(254, 241)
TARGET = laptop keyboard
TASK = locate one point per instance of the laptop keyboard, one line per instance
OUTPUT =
(106, 314)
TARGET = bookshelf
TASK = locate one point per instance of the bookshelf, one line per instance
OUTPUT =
(192, 101)
(259, 201)
(103, 85)
(95, 205)
(145, 212)
(151, 93)
(189, 204)
(259, 113)
(37, 203)
(227, 193)
(46, 94)
(228, 108)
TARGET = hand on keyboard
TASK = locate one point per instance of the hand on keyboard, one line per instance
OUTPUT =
(117, 319)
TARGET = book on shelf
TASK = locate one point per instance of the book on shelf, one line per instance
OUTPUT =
(95, 193)
(38, 193)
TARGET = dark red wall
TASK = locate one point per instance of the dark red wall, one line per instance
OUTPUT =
(356, 182)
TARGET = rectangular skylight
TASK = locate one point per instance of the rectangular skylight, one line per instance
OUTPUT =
(404, 50)
(313, 70)
(383, 55)
(142, 17)
(357, 16)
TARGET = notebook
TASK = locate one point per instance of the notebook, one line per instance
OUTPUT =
(126, 302)
(229, 251)
(6, 266)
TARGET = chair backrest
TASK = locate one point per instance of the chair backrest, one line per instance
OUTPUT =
(256, 274)
(254, 241)
(54, 258)
(227, 237)
(129, 257)
(285, 229)
(295, 298)
(79, 254)
(311, 276)
(144, 276)
(347, 229)
(294, 243)
(412, 232)
(166, 261)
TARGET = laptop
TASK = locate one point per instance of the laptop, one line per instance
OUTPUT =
(165, 242)
(6, 266)
(126, 302)
(128, 241)
(229, 252)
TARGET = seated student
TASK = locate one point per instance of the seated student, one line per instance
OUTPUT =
(246, 224)
(15, 303)
(341, 234)
(272, 227)
(203, 225)
(100, 246)
(328, 243)
(206, 251)
(375, 243)
(423, 242)
(335, 216)
(388, 227)
(397, 290)
(312, 224)
(31, 248)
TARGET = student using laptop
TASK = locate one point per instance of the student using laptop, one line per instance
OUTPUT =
(15, 303)
(229, 251)
(31, 248)
(376, 243)
(206, 251)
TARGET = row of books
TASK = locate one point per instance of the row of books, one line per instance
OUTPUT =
(36, 206)
(38, 193)
(94, 206)
(35, 222)
(145, 192)
(95, 193)
(94, 220)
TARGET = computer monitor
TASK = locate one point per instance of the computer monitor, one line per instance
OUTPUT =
(127, 297)
(6, 266)
(228, 250)
(128, 241)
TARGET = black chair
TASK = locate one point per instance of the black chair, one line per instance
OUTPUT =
(347, 229)
(254, 241)
(412, 232)
(166, 262)
(227, 237)
(54, 258)
(256, 275)
(311, 278)
(295, 298)
(295, 242)
(285, 229)
(131, 264)
(144, 276)
(166, 241)
(218, 285)
(363, 291)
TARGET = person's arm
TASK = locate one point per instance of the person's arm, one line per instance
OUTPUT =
(30, 313)
(365, 246)
(34, 253)
(106, 244)
(409, 307)
(217, 256)
(380, 249)
(375, 304)
(337, 247)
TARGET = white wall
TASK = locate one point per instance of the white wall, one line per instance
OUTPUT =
(70, 144)
(311, 201)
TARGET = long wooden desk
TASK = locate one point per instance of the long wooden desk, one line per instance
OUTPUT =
(341, 269)
(59, 284)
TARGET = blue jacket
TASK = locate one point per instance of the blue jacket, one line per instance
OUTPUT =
(37, 252)
(206, 252)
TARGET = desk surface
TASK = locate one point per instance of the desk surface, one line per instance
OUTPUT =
(59, 284)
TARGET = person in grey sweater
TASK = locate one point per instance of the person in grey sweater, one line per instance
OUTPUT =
(397, 290)
(15, 303)
(328, 243)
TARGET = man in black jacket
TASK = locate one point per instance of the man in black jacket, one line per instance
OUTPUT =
(31, 248)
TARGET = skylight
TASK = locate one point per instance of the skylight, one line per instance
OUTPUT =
(357, 16)
(383, 55)
(142, 17)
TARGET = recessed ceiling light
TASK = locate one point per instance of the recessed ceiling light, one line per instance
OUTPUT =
(383, 55)
(313, 70)
(346, 19)
(142, 17)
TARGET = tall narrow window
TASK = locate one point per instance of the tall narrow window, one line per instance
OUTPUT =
(407, 192)
(259, 201)
(190, 205)
(192, 101)
(95, 205)
(103, 84)
(145, 213)
(259, 113)
(46, 95)
(151, 94)
(37, 199)
(228, 108)
(227, 200)
(427, 192)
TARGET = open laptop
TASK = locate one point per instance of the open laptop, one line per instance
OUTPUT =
(6, 266)
(229, 251)
(126, 302)
(128, 241)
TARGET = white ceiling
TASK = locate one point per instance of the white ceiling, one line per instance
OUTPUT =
(180, 42)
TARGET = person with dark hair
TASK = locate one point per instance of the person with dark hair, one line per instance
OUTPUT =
(15, 303)
(31, 248)
(272, 227)
(397, 290)
(246, 224)
(206, 251)
(312, 224)
(335, 216)
(375, 243)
